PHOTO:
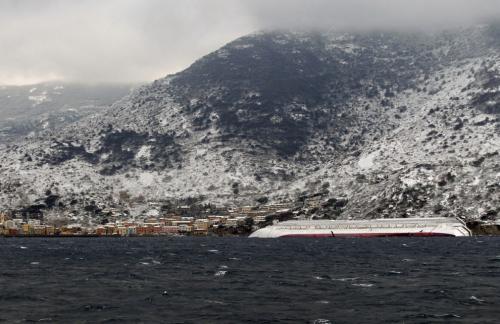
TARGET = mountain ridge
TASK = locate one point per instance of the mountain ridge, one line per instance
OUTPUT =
(28, 110)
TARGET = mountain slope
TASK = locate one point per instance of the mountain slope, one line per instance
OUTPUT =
(381, 124)
(31, 109)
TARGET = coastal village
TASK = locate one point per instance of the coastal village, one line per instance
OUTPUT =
(227, 221)
(191, 219)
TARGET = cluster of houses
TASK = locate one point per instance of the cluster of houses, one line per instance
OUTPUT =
(170, 224)
(173, 225)
(18, 226)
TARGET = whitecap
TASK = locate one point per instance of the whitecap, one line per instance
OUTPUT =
(478, 300)
(322, 321)
(213, 251)
(446, 316)
(223, 266)
(35, 263)
(23, 247)
(346, 279)
(322, 302)
(364, 285)
(210, 301)
(220, 273)
(144, 263)
(156, 262)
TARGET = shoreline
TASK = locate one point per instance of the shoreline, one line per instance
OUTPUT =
(476, 228)
(197, 236)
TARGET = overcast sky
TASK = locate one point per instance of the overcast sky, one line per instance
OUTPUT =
(141, 40)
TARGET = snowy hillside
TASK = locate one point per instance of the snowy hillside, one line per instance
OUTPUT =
(379, 124)
(28, 110)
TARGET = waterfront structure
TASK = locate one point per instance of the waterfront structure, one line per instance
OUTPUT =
(366, 228)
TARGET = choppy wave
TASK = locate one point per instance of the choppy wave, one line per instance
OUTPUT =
(228, 280)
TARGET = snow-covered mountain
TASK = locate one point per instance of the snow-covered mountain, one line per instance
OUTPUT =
(28, 110)
(378, 124)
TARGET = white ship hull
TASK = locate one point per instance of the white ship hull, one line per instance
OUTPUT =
(366, 228)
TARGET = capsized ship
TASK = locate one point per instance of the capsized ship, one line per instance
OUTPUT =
(366, 228)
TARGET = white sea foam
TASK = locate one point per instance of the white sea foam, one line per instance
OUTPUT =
(364, 285)
(220, 273)
(478, 300)
(322, 321)
(346, 279)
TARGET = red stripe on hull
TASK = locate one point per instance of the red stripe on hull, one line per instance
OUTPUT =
(418, 234)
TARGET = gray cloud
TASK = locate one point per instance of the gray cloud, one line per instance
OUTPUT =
(139, 40)
(368, 14)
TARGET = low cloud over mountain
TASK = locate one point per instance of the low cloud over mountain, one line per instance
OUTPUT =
(135, 40)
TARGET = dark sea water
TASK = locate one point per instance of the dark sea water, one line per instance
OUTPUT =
(240, 280)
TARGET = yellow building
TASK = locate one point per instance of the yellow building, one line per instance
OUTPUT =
(50, 230)
(27, 230)
(201, 225)
(38, 230)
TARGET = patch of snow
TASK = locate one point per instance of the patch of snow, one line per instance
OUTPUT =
(143, 153)
(243, 46)
(152, 213)
(367, 161)
(39, 99)
(222, 53)
(409, 182)
(276, 119)
(146, 178)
